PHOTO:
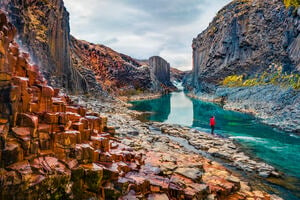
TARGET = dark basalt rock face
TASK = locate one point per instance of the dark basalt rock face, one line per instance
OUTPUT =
(245, 37)
(161, 69)
(43, 28)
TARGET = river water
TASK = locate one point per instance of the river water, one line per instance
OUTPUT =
(278, 148)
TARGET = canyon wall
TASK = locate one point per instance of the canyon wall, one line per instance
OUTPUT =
(51, 148)
(161, 69)
(44, 32)
(246, 37)
(254, 45)
(76, 65)
(115, 72)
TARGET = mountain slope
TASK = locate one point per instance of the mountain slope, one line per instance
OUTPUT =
(116, 73)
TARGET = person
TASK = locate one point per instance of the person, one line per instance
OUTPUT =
(212, 123)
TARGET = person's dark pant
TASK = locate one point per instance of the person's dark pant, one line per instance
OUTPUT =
(212, 129)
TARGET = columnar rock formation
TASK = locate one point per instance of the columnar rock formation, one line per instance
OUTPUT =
(245, 37)
(247, 40)
(45, 140)
(161, 69)
(76, 65)
(45, 33)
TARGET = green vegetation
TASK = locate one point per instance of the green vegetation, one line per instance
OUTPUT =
(288, 3)
(273, 76)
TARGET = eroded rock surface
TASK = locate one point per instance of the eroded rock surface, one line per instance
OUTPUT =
(116, 73)
(245, 38)
(160, 69)
(165, 156)
(44, 32)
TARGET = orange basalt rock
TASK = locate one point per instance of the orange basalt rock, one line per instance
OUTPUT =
(27, 120)
(74, 117)
(51, 118)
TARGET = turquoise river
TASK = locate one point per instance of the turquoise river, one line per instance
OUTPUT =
(278, 148)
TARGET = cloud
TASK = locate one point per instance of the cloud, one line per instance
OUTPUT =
(142, 28)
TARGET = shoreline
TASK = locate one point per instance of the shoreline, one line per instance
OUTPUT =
(262, 117)
(127, 125)
(264, 181)
(146, 96)
(219, 101)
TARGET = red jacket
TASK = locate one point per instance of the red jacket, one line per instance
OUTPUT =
(212, 121)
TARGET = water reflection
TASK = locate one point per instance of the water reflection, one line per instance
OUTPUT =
(160, 108)
(181, 110)
(275, 147)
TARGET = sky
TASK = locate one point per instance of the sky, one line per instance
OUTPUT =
(144, 28)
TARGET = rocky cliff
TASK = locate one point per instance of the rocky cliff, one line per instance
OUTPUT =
(246, 37)
(177, 75)
(249, 59)
(160, 69)
(76, 65)
(44, 32)
(115, 72)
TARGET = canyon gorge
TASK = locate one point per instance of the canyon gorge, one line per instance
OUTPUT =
(67, 130)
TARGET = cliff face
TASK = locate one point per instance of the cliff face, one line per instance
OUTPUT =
(252, 44)
(161, 69)
(43, 28)
(116, 73)
(79, 66)
(245, 37)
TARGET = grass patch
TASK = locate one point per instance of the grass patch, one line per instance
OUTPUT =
(288, 3)
(273, 75)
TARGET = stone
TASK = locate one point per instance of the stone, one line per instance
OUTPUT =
(78, 126)
(192, 173)
(161, 69)
(51, 118)
(74, 117)
(157, 197)
(72, 109)
(68, 138)
(27, 120)
(12, 153)
(100, 142)
(84, 153)
(111, 130)
(93, 175)
(3, 135)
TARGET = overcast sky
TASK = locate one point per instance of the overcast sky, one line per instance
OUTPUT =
(144, 28)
